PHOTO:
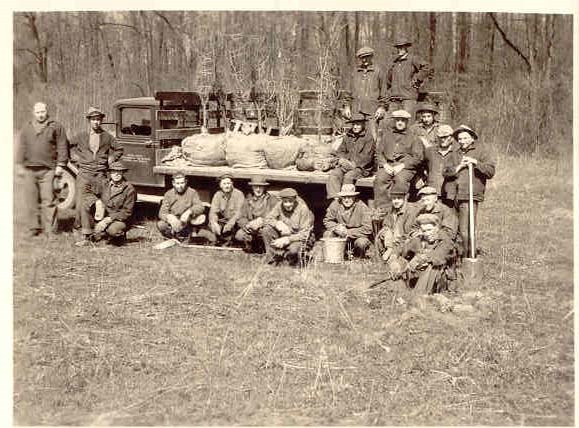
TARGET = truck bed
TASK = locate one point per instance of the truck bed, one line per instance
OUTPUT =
(273, 175)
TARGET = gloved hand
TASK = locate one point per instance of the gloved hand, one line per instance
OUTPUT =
(215, 228)
(102, 225)
(58, 170)
(347, 112)
(380, 113)
(99, 212)
(254, 224)
(281, 242)
(346, 164)
(228, 227)
(282, 228)
(175, 223)
(341, 230)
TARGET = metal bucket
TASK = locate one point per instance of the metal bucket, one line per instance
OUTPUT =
(334, 249)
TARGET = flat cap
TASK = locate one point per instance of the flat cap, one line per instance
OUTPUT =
(402, 40)
(403, 114)
(224, 176)
(288, 192)
(427, 190)
(94, 112)
(365, 51)
(464, 128)
(444, 131)
(426, 107)
(398, 191)
(427, 218)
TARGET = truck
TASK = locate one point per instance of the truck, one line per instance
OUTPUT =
(148, 127)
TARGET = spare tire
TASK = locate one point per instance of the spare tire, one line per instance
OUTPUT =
(65, 190)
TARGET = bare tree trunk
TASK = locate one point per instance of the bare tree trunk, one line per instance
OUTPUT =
(41, 51)
(432, 27)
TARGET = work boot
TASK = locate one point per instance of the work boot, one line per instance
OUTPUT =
(84, 242)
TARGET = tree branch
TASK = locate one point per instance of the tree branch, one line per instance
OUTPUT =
(114, 24)
(508, 42)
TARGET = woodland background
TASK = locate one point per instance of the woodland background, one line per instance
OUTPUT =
(508, 75)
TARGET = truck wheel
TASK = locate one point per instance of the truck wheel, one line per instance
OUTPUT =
(65, 190)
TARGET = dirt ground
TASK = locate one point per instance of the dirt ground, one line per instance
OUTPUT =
(137, 336)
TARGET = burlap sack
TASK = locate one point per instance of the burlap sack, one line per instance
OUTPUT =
(204, 149)
(246, 151)
(281, 152)
(315, 156)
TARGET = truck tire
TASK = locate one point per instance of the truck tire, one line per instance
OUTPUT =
(65, 190)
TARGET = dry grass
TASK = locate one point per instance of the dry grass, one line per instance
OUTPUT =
(132, 336)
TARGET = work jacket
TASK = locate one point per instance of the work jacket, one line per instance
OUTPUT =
(47, 147)
(119, 200)
(435, 162)
(357, 219)
(405, 75)
(226, 207)
(254, 207)
(109, 151)
(447, 216)
(438, 253)
(426, 135)
(359, 149)
(399, 147)
(399, 222)
(300, 220)
(366, 91)
(177, 203)
(459, 183)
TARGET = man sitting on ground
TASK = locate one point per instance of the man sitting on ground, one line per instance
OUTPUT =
(181, 210)
(224, 212)
(355, 157)
(255, 207)
(424, 259)
(350, 218)
(117, 197)
(287, 231)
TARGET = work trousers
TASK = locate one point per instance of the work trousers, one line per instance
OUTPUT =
(86, 185)
(384, 182)
(39, 198)
(293, 253)
(338, 176)
(463, 226)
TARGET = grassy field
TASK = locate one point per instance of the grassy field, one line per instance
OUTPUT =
(136, 336)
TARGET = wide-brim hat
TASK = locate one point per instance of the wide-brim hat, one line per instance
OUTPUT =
(288, 192)
(94, 112)
(118, 166)
(258, 181)
(365, 51)
(427, 107)
(347, 190)
(464, 128)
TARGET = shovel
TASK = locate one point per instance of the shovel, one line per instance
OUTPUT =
(472, 267)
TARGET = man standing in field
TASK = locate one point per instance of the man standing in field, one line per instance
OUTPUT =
(93, 152)
(225, 210)
(117, 197)
(405, 76)
(181, 210)
(350, 218)
(366, 94)
(253, 212)
(42, 154)
(355, 157)
(436, 156)
(424, 259)
(287, 233)
(398, 155)
(456, 172)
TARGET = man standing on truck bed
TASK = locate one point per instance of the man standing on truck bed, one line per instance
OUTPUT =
(42, 154)
(405, 76)
(366, 94)
(93, 152)
(181, 210)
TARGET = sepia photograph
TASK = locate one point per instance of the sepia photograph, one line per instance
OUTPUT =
(292, 217)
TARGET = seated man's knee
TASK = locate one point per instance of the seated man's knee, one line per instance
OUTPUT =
(362, 243)
(116, 228)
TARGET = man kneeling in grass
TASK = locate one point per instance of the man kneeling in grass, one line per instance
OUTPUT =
(113, 209)
(181, 210)
(287, 233)
(423, 261)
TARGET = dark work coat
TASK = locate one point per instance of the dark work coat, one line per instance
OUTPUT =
(109, 151)
(358, 149)
(119, 200)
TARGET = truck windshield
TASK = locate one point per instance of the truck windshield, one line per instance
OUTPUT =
(135, 121)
